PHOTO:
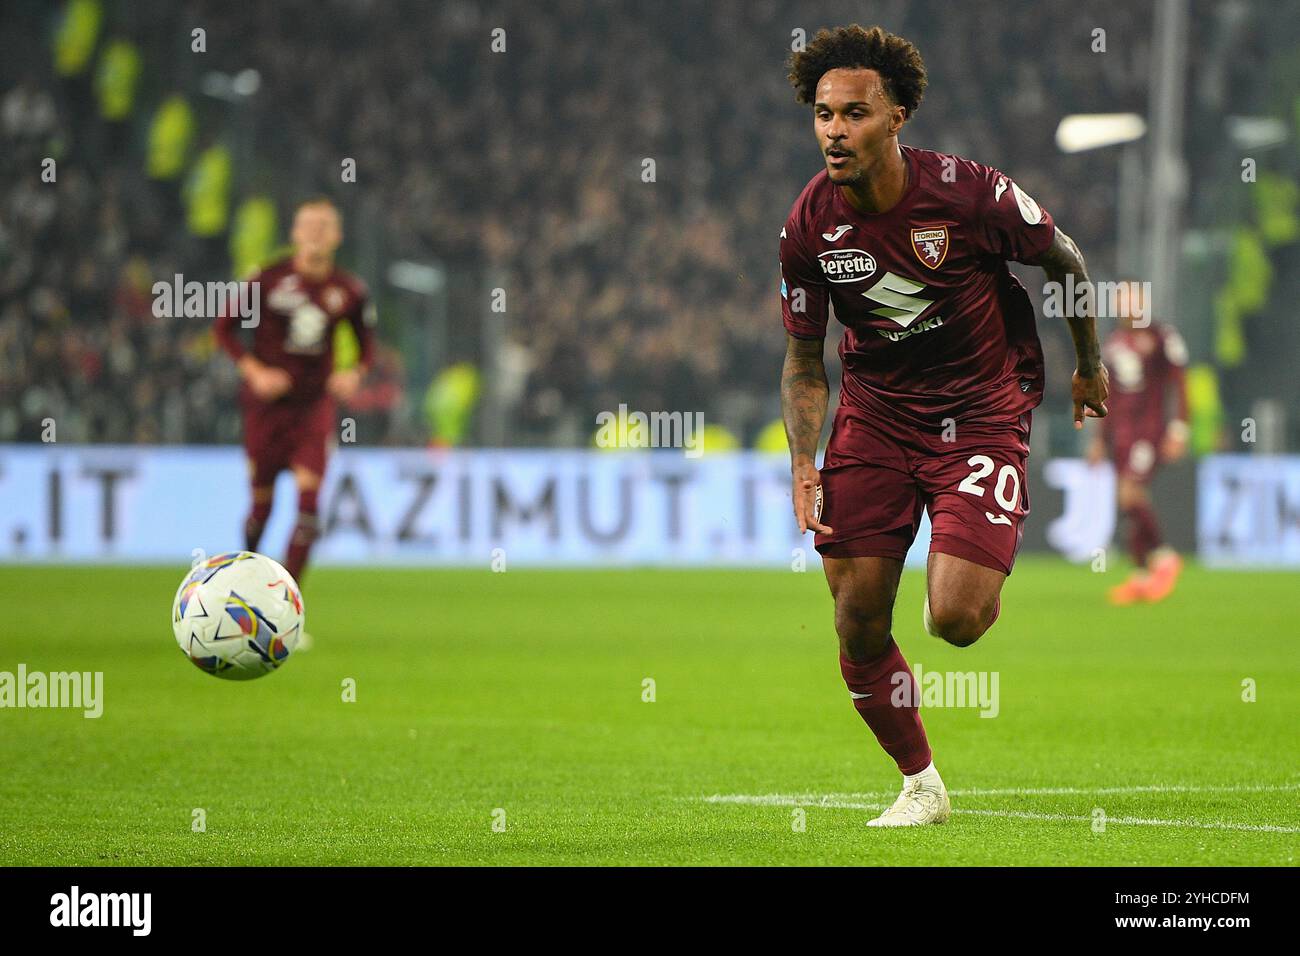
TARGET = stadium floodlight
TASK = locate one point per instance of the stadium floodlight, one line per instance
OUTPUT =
(246, 82)
(1083, 131)
(232, 89)
(417, 277)
(1257, 132)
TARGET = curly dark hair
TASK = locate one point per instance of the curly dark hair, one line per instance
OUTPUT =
(897, 61)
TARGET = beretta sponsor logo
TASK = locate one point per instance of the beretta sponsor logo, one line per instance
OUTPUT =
(847, 265)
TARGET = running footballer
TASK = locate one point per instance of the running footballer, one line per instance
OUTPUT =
(942, 369)
(290, 383)
(1148, 428)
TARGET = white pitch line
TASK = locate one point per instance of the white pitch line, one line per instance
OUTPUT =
(1137, 821)
(1018, 791)
(836, 802)
(1153, 788)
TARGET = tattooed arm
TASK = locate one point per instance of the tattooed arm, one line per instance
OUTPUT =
(804, 397)
(1091, 382)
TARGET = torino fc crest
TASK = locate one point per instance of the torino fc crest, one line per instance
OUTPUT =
(334, 299)
(930, 243)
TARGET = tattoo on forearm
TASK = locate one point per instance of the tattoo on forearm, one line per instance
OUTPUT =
(1061, 259)
(804, 395)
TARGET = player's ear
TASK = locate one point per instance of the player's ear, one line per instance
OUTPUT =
(898, 116)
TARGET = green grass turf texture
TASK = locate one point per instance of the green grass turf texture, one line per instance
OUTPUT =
(523, 691)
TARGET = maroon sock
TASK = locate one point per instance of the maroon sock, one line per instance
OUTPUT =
(893, 708)
(1144, 532)
(304, 536)
(255, 523)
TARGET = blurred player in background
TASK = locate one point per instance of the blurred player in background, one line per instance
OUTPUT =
(942, 369)
(1147, 427)
(289, 380)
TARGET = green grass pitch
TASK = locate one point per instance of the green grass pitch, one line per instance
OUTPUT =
(522, 692)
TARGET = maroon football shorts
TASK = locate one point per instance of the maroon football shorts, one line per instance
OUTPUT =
(879, 474)
(1136, 457)
(280, 435)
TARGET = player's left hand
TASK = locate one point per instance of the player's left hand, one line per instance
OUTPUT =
(1174, 445)
(1089, 393)
(344, 383)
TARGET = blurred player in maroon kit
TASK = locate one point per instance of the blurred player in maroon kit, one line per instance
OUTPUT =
(1147, 427)
(289, 380)
(942, 367)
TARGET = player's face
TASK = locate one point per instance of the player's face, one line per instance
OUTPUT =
(854, 122)
(317, 231)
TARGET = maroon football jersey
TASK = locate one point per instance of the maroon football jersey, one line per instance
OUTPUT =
(296, 325)
(1145, 365)
(936, 325)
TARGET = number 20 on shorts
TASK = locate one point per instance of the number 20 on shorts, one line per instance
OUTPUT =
(1006, 490)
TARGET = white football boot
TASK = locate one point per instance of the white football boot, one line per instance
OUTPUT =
(924, 800)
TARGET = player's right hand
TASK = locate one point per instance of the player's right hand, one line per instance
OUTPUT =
(1089, 393)
(267, 382)
(805, 491)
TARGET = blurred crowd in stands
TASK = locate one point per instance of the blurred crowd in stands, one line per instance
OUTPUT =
(621, 170)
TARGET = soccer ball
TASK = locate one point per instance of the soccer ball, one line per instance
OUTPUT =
(238, 615)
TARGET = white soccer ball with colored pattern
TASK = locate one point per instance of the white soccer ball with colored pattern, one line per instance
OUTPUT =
(238, 615)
